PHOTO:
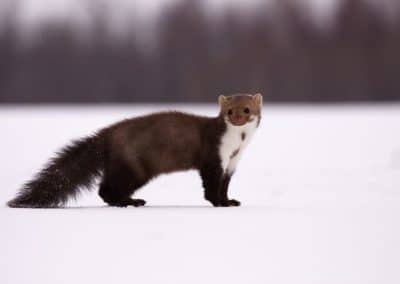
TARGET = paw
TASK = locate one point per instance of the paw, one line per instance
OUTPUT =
(137, 202)
(233, 202)
(226, 203)
(230, 202)
(129, 202)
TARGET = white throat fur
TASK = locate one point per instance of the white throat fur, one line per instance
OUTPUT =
(233, 142)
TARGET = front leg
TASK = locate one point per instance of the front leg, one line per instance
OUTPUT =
(211, 176)
(216, 185)
(225, 201)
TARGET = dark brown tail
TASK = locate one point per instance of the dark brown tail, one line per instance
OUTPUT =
(61, 179)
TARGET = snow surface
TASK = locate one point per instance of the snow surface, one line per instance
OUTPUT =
(320, 192)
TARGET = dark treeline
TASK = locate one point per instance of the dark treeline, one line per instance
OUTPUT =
(280, 53)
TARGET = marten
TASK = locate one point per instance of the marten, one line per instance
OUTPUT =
(128, 154)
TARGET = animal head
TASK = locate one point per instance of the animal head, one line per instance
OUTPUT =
(240, 109)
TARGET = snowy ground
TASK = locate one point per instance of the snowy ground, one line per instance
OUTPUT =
(320, 188)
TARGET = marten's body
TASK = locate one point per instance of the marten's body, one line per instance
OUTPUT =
(130, 153)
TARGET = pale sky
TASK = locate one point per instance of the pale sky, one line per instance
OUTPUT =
(42, 10)
(120, 12)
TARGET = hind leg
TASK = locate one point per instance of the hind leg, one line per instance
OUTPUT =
(107, 193)
(118, 184)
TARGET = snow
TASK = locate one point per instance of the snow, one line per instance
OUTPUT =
(320, 192)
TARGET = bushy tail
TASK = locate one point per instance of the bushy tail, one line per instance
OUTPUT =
(74, 167)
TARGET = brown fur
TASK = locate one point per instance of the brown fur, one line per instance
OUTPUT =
(239, 108)
(130, 153)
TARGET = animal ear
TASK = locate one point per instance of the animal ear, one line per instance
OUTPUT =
(222, 100)
(258, 98)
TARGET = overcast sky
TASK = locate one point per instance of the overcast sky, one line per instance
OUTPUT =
(119, 12)
(39, 10)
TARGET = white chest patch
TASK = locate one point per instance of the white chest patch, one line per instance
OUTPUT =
(233, 142)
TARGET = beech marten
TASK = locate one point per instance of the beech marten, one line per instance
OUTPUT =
(130, 153)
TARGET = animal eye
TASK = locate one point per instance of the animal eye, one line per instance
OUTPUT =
(246, 110)
(230, 111)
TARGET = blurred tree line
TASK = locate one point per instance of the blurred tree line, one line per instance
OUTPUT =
(282, 54)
